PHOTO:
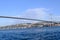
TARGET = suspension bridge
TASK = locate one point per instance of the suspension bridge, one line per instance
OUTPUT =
(10, 17)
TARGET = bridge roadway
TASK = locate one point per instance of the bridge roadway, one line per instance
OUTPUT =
(25, 19)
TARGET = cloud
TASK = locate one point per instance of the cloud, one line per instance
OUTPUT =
(40, 13)
(36, 13)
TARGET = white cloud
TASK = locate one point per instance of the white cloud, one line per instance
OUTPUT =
(36, 13)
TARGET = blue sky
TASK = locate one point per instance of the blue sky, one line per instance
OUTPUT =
(29, 9)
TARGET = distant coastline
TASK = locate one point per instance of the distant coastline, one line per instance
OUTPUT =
(29, 25)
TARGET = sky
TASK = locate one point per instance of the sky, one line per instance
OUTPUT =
(35, 9)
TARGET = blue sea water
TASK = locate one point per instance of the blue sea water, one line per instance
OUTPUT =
(44, 33)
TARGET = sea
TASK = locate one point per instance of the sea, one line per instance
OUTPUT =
(43, 33)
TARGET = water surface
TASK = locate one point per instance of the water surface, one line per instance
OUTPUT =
(45, 33)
